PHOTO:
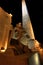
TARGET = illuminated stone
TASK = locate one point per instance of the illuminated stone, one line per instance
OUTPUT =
(26, 20)
(5, 26)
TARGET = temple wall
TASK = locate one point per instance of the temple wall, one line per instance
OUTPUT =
(5, 26)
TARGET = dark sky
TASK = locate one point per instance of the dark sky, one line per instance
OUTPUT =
(35, 9)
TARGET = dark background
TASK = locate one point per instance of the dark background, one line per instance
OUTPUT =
(35, 9)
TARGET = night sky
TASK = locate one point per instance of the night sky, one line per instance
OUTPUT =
(35, 9)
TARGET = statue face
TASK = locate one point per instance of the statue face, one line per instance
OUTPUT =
(18, 25)
(17, 32)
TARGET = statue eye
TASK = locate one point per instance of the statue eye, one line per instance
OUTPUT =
(15, 30)
(27, 36)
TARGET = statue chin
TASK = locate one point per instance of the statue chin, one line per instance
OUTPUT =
(34, 45)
